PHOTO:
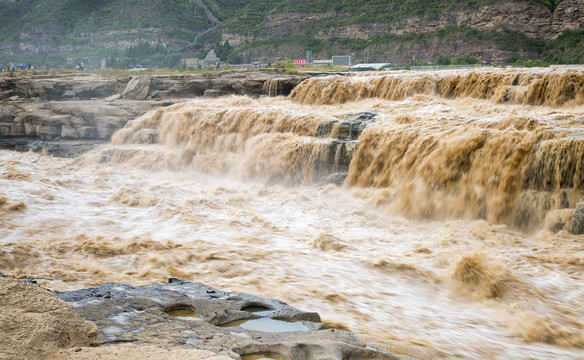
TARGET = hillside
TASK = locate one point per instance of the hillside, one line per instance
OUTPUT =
(72, 22)
(397, 31)
(52, 30)
(150, 31)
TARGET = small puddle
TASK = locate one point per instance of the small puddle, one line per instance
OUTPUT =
(262, 356)
(268, 325)
(184, 314)
(258, 310)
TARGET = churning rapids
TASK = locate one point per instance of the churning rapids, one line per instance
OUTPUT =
(453, 236)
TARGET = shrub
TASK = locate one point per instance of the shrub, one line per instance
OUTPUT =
(443, 60)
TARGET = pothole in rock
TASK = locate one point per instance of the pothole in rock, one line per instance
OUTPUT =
(184, 314)
(258, 310)
(268, 325)
(263, 356)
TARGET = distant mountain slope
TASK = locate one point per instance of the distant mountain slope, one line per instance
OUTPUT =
(399, 31)
(225, 9)
(66, 24)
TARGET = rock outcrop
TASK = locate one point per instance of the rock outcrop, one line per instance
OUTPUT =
(571, 220)
(238, 82)
(342, 138)
(63, 87)
(191, 315)
(138, 88)
(34, 323)
(65, 128)
(67, 115)
(67, 87)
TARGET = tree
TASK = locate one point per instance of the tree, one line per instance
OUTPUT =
(173, 60)
(443, 60)
(465, 60)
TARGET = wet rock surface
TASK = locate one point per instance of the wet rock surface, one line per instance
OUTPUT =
(282, 86)
(198, 316)
(578, 219)
(353, 124)
(66, 128)
(341, 136)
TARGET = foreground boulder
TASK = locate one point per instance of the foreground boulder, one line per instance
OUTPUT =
(34, 322)
(138, 88)
(196, 316)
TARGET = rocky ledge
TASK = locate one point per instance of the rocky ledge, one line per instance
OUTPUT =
(176, 320)
(65, 128)
(67, 114)
(250, 83)
(67, 87)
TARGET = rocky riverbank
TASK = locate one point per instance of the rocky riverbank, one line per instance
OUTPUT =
(67, 114)
(178, 320)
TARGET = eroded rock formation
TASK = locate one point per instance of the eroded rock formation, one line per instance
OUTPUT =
(198, 316)
(178, 320)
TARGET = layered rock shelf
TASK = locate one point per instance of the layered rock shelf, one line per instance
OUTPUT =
(68, 114)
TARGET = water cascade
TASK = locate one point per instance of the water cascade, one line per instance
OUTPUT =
(250, 138)
(550, 88)
(438, 214)
(513, 168)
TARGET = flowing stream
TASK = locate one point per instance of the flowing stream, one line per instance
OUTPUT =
(451, 237)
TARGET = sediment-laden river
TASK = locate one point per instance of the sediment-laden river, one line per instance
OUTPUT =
(454, 235)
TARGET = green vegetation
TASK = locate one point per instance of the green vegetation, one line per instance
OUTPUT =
(80, 26)
(465, 60)
(225, 9)
(504, 40)
(567, 48)
(89, 31)
(443, 60)
(529, 63)
(226, 53)
(312, 43)
(552, 4)
(346, 12)
(72, 17)
(146, 55)
(250, 18)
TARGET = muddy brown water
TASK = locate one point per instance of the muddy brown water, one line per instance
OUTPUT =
(436, 246)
